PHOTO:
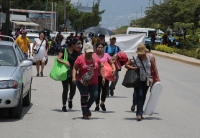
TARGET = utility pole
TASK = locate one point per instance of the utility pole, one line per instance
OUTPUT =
(6, 8)
(45, 14)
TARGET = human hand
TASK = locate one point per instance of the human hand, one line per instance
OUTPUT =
(103, 81)
(158, 79)
(45, 55)
(74, 80)
(113, 72)
(67, 64)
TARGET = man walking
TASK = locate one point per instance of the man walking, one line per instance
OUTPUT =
(112, 50)
(24, 43)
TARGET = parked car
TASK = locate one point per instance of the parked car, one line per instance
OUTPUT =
(32, 37)
(15, 78)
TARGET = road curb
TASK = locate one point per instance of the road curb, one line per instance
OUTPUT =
(174, 57)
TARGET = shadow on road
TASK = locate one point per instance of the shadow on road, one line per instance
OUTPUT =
(117, 97)
(145, 118)
(59, 110)
(4, 116)
(91, 118)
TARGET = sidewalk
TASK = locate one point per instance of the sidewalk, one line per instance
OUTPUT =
(175, 56)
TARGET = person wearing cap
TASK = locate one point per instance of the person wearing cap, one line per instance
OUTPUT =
(87, 63)
(24, 43)
(148, 62)
(112, 50)
(68, 84)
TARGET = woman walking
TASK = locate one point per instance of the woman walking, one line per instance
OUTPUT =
(41, 47)
(102, 89)
(89, 67)
(143, 61)
(72, 56)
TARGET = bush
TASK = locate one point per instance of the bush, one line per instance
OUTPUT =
(164, 48)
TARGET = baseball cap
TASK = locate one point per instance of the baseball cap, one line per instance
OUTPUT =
(112, 36)
(88, 47)
(23, 31)
(141, 49)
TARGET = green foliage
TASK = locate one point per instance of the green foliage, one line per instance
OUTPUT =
(195, 52)
(121, 30)
(164, 48)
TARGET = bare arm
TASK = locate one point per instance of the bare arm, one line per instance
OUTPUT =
(112, 65)
(129, 65)
(100, 71)
(61, 61)
(74, 72)
(154, 67)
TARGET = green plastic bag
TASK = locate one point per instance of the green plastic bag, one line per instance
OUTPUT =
(59, 70)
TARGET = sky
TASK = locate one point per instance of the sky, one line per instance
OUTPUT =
(120, 12)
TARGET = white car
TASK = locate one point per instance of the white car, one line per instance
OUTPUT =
(53, 34)
(32, 37)
(66, 34)
(15, 78)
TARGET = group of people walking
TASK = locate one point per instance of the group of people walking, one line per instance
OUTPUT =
(85, 72)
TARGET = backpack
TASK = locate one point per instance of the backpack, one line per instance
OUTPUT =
(113, 53)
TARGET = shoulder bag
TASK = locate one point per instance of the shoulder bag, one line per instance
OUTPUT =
(59, 70)
(132, 78)
(37, 50)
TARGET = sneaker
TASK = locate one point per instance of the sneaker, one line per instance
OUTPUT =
(41, 73)
(70, 105)
(64, 109)
(133, 108)
(89, 113)
(138, 118)
(85, 116)
(111, 92)
(37, 75)
(97, 108)
(103, 107)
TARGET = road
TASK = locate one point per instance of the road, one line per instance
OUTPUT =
(177, 114)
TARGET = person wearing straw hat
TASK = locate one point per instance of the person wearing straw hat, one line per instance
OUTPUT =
(145, 62)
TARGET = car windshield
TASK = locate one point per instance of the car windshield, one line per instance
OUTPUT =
(32, 38)
(7, 56)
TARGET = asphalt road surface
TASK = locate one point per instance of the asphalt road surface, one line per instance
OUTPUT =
(177, 115)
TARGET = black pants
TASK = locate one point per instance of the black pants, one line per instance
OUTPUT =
(102, 90)
(68, 82)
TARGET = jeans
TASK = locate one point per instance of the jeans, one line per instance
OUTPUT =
(141, 92)
(102, 90)
(134, 98)
(85, 91)
(68, 82)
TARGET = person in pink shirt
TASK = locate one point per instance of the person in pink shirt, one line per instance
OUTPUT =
(103, 57)
(87, 65)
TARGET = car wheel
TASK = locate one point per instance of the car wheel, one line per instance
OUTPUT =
(16, 112)
(27, 98)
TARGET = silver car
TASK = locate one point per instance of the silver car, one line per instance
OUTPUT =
(15, 78)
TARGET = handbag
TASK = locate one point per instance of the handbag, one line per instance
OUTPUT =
(149, 79)
(87, 77)
(108, 72)
(132, 78)
(37, 50)
(59, 70)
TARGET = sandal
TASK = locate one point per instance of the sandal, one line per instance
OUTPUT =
(133, 108)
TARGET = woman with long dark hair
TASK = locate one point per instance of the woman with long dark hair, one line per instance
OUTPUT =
(102, 89)
(42, 46)
(72, 56)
